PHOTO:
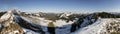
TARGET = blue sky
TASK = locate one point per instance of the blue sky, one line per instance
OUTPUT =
(61, 5)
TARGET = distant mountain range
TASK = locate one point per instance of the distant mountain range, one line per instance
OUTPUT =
(17, 22)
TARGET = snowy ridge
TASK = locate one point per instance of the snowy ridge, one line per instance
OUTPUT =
(98, 27)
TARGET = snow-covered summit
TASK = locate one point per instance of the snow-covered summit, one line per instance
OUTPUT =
(9, 14)
(66, 14)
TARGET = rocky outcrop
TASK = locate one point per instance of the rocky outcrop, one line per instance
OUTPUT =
(113, 27)
(12, 29)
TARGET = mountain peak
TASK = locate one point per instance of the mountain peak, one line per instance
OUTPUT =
(13, 11)
(9, 14)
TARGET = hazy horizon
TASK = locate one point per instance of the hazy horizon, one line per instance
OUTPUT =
(61, 5)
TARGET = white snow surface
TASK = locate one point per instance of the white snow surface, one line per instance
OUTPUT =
(61, 23)
(27, 31)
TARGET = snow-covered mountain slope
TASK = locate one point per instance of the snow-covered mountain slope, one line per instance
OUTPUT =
(102, 26)
(16, 22)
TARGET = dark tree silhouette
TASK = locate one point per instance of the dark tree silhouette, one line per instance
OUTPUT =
(51, 28)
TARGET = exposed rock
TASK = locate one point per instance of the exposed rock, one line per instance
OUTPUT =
(12, 29)
(111, 28)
